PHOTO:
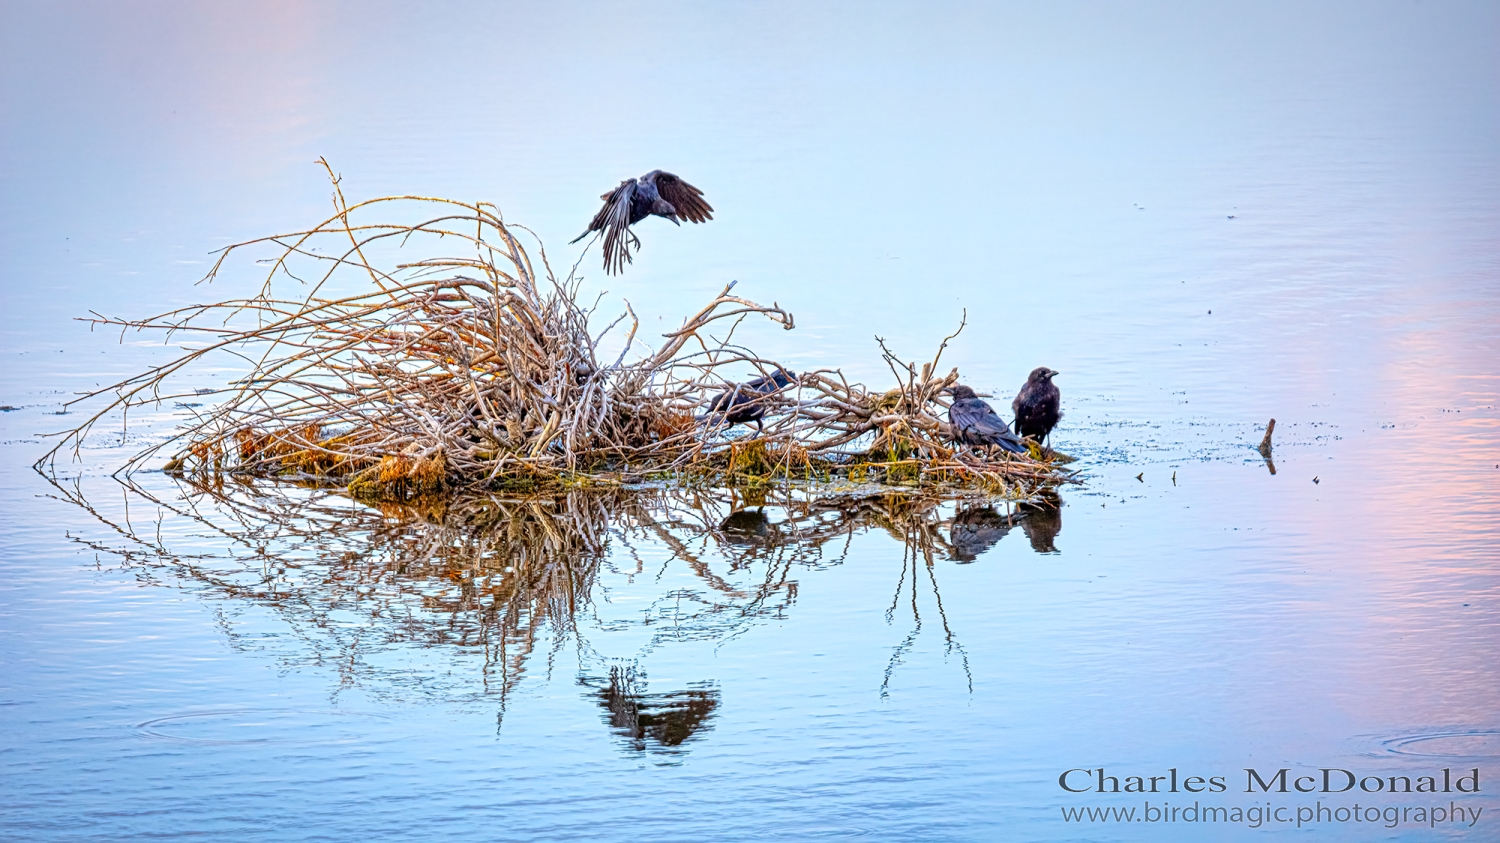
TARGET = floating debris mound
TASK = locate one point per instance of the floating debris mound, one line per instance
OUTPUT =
(477, 371)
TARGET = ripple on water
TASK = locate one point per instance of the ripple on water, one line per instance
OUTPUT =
(1445, 743)
(261, 726)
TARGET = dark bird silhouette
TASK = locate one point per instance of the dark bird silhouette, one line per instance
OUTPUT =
(1042, 523)
(975, 531)
(746, 402)
(659, 722)
(974, 422)
(748, 528)
(1037, 405)
(657, 193)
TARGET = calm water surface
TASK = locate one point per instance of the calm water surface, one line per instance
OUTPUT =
(1204, 217)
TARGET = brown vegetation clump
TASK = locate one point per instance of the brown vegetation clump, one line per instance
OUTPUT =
(402, 477)
(477, 368)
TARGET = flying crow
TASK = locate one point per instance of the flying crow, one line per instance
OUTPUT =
(656, 193)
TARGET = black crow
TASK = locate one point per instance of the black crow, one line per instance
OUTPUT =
(974, 422)
(746, 402)
(656, 193)
(1037, 404)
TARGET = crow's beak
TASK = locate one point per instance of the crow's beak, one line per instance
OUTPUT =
(673, 218)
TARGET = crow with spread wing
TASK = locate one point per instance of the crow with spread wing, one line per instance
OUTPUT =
(657, 193)
(974, 422)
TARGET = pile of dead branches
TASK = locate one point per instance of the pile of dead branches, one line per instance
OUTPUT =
(481, 369)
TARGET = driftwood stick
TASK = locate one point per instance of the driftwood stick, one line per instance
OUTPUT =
(1265, 443)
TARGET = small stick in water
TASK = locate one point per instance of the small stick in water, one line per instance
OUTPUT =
(1265, 444)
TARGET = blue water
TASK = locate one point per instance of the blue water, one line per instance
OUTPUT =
(1204, 216)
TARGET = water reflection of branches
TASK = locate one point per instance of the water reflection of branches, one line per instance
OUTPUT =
(972, 531)
(922, 539)
(491, 579)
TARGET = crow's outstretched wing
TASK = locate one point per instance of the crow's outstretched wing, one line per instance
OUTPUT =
(688, 200)
(614, 220)
(975, 422)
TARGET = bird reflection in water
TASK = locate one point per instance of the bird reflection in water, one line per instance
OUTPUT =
(975, 531)
(748, 528)
(1042, 522)
(655, 722)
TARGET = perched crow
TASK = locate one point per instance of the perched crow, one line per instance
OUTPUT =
(656, 193)
(746, 402)
(975, 423)
(1037, 404)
